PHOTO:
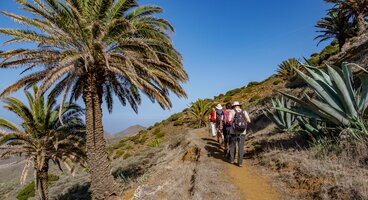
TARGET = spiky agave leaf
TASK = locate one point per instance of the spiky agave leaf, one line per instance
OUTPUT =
(337, 102)
(285, 121)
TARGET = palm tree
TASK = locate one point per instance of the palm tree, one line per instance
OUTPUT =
(95, 50)
(42, 137)
(336, 25)
(358, 9)
(199, 111)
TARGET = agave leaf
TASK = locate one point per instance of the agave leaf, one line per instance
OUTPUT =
(363, 100)
(343, 92)
(320, 90)
(328, 112)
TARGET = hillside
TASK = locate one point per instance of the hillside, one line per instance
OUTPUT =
(130, 131)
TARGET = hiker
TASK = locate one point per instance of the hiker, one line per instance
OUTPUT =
(219, 123)
(240, 119)
(227, 123)
(212, 119)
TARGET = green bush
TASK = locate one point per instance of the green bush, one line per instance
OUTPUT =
(155, 143)
(329, 51)
(254, 98)
(227, 99)
(28, 190)
(127, 155)
(232, 92)
(143, 139)
(179, 123)
(253, 83)
(174, 117)
(158, 134)
(118, 153)
(276, 82)
(314, 55)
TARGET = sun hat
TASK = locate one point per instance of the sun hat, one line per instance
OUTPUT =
(236, 103)
(219, 107)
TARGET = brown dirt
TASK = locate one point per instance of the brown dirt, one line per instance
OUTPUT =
(250, 183)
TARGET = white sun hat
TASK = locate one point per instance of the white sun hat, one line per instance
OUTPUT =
(219, 107)
(236, 103)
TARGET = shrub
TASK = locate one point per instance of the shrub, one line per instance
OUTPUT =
(254, 98)
(28, 190)
(314, 55)
(174, 117)
(118, 153)
(253, 83)
(158, 133)
(127, 155)
(179, 123)
(276, 82)
(227, 99)
(232, 92)
(155, 143)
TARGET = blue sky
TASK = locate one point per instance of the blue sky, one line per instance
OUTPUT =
(225, 45)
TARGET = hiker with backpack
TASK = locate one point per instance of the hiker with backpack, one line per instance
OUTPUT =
(240, 119)
(212, 119)
(219, 123)
(227, 127)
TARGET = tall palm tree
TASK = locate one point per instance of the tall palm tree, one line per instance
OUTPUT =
(358, 9)
(336, 25)
(97, 49)
(42, 137)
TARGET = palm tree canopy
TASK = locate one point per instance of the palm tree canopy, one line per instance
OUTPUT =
(336, 25)
(355, 7)
(42, 131)
(122, 44)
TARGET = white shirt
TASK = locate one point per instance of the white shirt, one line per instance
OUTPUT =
(247, 118)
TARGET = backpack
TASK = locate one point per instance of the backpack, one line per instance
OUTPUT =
(227, 120)
(213, 117)
(219, 114)
(239, 123)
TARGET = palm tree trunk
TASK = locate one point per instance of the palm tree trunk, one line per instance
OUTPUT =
(362, 24)
(41, 178)
(102, 182)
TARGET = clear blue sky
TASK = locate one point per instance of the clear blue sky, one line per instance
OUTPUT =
(238, 40)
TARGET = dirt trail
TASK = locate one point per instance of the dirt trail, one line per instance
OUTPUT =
(251, 185)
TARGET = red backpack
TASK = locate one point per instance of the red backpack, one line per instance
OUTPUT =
(213, 117)
(227, 120)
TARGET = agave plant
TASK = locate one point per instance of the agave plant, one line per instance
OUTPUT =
(287, 68)
(199, 111)
(337, 101)
(285, 121)
(311, 127)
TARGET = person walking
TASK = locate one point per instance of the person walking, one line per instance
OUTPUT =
(240, 119)
(227, 127)
(219, 123)
(212, 119)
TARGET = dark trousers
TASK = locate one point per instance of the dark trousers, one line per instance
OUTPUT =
(226, 132)
(237, 139)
